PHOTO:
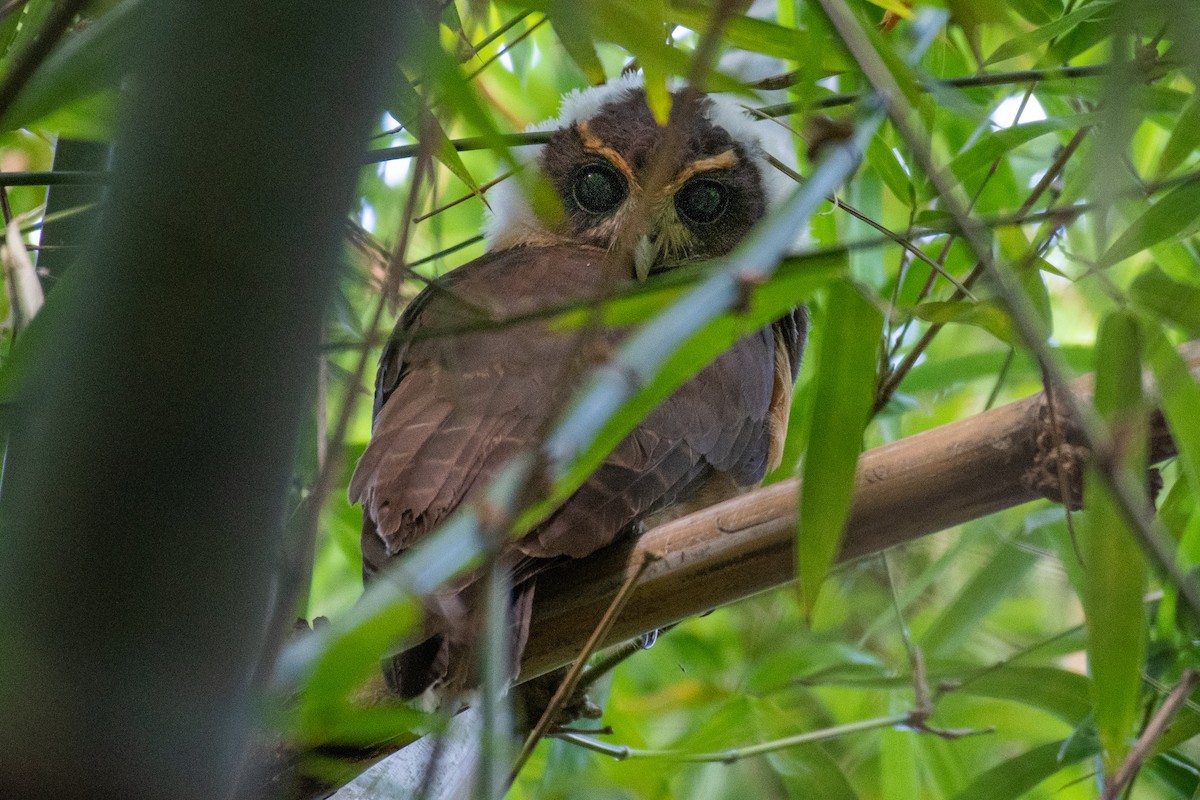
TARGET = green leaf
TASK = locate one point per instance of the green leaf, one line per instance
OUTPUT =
(1038, 12)
(1063, 693)
(1178, 773)
(947, 373)
(810, 771)
(1020, 45)
(410, 110)
(996, 144)
(1172, 216)
(1185, 138)
(1168, 299)
(1015, 777)
(1115, 572)
(844, 394)
(579, 45)
(981, 314)
(884, 161)
(899, 763)
(982, 593)
(1179, 399)
(747, 33)
(85, 63)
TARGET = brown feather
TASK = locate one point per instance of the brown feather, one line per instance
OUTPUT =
(453, 408)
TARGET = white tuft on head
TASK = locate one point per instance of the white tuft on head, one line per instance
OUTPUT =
(511, 219)
(726, 112)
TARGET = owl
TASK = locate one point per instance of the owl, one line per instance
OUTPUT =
(473, 376)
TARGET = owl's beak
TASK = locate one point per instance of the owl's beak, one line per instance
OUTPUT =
(644, 256)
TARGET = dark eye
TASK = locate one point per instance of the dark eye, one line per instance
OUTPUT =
(598, 188)
(702, 200)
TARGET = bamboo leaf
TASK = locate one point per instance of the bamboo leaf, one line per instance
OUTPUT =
(844, 394)
(900, 764)
(1026, 42)
(1179, 399)
(981, 314)
(1180, 774)
(1185, 138)
(410, 110)
(1038, 12)
(1063, 693)
(759, 35)
(579, 45)
(1172, 216)
(1016, 776)
(1168, 299)
(996, 144)
(981, 594)
(812, 772)
(88, 62)
(1115, 571)
(884, 161)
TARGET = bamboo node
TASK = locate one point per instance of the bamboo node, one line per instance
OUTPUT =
(1059, 461)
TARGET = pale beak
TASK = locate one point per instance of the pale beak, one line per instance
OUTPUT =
(644, 256)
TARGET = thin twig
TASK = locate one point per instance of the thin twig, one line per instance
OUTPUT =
(623, 753)
(914, 354)
(609, 662)
(788, 79)
(1025, 321)
(878, 227)
(570, 682)
(1144, 745)
(464, 198)
(507, 48)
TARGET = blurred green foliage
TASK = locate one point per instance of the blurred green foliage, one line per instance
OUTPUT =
(997, 605)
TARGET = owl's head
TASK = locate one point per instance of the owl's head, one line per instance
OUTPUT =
(593, 183)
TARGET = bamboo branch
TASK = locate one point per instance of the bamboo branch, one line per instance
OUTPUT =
(1144, 747)
(904, 490)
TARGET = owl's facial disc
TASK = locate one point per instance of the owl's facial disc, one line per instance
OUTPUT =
(594, 183)
(681, 214)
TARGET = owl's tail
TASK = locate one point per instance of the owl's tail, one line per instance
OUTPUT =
(447, 660)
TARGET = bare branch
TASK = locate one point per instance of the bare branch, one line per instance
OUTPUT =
(904, 490)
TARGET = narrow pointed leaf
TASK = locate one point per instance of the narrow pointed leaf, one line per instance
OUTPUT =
(844, 394)
(579, 45)
(1115, 573)
(1017, 776)
(85, 63)
(1169, 299)
(1029, 41)
(1171, 216)
(409, 109)
(1185, 138)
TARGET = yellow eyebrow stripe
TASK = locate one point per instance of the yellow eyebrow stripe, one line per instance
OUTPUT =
(594, 144)
(726, 160)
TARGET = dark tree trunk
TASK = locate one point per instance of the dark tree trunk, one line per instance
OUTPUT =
(152, 440)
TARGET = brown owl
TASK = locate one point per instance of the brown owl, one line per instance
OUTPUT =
(615, 199)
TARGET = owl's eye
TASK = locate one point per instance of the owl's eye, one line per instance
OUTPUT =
(702, 200)
(598, 188)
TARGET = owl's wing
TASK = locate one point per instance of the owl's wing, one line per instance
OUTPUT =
(711, 438)
(451, 410)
